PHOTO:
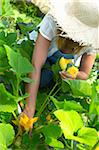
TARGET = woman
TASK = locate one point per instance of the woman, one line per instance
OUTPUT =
(74, 26)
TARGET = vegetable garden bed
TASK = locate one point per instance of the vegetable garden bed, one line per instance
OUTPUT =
(68, 111)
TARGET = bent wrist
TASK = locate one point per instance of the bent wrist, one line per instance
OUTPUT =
(82, 75)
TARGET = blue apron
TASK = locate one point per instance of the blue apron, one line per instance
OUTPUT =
(46, 74)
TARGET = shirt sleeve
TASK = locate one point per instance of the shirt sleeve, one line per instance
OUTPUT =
(48, 27)
(90, 51)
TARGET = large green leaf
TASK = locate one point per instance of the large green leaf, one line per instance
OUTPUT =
(20, 64)
(72, 105)
(30, 143)
(51, 133)
(7, 101)
(67, 105)
(79, 87)
(87, 136)
(52, 130)
(7, 132)
(70, 122)
(2, 142)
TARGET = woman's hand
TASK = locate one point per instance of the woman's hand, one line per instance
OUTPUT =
(29, 110)
(65, 75)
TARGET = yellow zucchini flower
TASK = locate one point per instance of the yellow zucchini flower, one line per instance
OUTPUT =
(97, 148)
(67, 61)
(73, 71)
(63, 63)
(26, 122)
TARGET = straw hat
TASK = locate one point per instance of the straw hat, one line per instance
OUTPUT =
(79, 19)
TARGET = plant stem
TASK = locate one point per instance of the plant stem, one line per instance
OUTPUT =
(72, 142)
(17, 86)
(39, 128)
(46, 101)
(56, 92)
(69, 148)
(16, 118)
(20, 92)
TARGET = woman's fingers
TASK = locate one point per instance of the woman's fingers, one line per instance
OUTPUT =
(62, 75)
(65, 75)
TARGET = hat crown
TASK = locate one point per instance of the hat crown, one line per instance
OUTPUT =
(86, 11)
(78, 19)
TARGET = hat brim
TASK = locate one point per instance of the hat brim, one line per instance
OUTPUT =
(74, 28)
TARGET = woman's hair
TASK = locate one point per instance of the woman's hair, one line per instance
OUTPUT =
(66, 43)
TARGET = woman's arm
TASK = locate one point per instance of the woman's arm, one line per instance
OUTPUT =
(38, 59)
(86, 65)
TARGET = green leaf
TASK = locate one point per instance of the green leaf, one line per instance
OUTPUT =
(22, 97)
(52, 130)
(0, 8)
(54, 142)
(2, 42)
(3, 60)
(26, 49)
(2, 142)
(20, 64)
(27, 80)
(6, 8)
(58, 104)
(51, 133)
(31, 143)
(56, 69)
(11, 38)
(72, 105)
(2, 36)
(7, 101)
(88, 136)
(65, 87)
(70, 122)
(97, 109)
(7, 132)
(80, 87)
(4, 65)
(2, 52)
(94, 101)
(67, 105)
(25, 28)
